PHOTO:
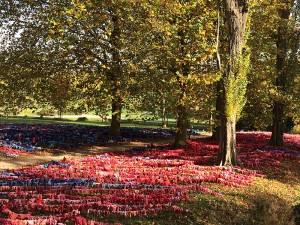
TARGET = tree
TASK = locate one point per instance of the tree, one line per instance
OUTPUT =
(282, 67)
(35, 65)
(95, 37)
(183, 41)
(220, 51)
(234, 79)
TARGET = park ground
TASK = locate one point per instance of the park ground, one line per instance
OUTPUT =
(273, 198)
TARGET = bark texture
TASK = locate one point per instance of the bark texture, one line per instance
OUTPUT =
(182, 111)
(163, 113)
(115, 76)
(115, 125)
(216, 129)
(281, 79)
(219, 101)
(236, 17)
(182, 125)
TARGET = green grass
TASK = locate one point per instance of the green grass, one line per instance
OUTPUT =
(90, 122)
(46, 120)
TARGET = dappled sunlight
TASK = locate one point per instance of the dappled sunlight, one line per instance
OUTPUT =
(136, 182)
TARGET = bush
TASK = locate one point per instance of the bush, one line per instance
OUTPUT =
(46, 112)
(296, 129)
(82, 118)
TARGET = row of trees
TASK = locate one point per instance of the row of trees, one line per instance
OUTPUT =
(209, 58)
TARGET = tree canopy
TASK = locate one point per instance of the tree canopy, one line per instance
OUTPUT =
(219, 61)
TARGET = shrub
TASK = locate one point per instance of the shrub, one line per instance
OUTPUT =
(82, 118)
(46, 112)
(296, 129)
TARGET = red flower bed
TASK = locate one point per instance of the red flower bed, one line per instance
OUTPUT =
(9, 152)
(122, 184)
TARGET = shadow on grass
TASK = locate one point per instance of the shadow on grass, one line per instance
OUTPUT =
(288, 172)
(253, 209)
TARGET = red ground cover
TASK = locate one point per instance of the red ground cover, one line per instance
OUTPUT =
(130, 184)
(6, 151)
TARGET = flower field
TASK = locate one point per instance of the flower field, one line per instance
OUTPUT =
(134, 183)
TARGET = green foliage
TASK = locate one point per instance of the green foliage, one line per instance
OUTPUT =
(82, 118)
(296, 129)
(154, 55)
(262, 89)
(235, 84)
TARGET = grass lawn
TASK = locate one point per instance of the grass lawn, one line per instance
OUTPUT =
(91, 122)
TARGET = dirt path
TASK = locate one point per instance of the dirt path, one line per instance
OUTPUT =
(7, 163)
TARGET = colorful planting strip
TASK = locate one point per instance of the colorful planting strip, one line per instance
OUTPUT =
(23, 139)
(108, 184)
(133, 183)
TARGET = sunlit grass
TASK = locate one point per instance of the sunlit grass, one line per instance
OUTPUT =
(49, 120)
(90, 122)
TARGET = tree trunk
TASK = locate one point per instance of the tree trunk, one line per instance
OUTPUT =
(227, 154)
(60, 112)
(217, 127)
(281, 79)
(210, 122)
(115, 127)
(182, 117)
(219, 101)
(181, 134)
(277, 127)
(116, 76)
(236, 16)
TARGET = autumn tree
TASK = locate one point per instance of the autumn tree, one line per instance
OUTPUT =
(183, 42)
(263, 91)
(95, 37)
(34, 64)
(257, 112)
(284, 51)
(101, 35)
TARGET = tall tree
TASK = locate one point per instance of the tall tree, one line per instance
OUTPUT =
(220, 50)
(96, 38)
(282, 44)
(262, 90)
(183, 42)
(234, 79)
(102, 35)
